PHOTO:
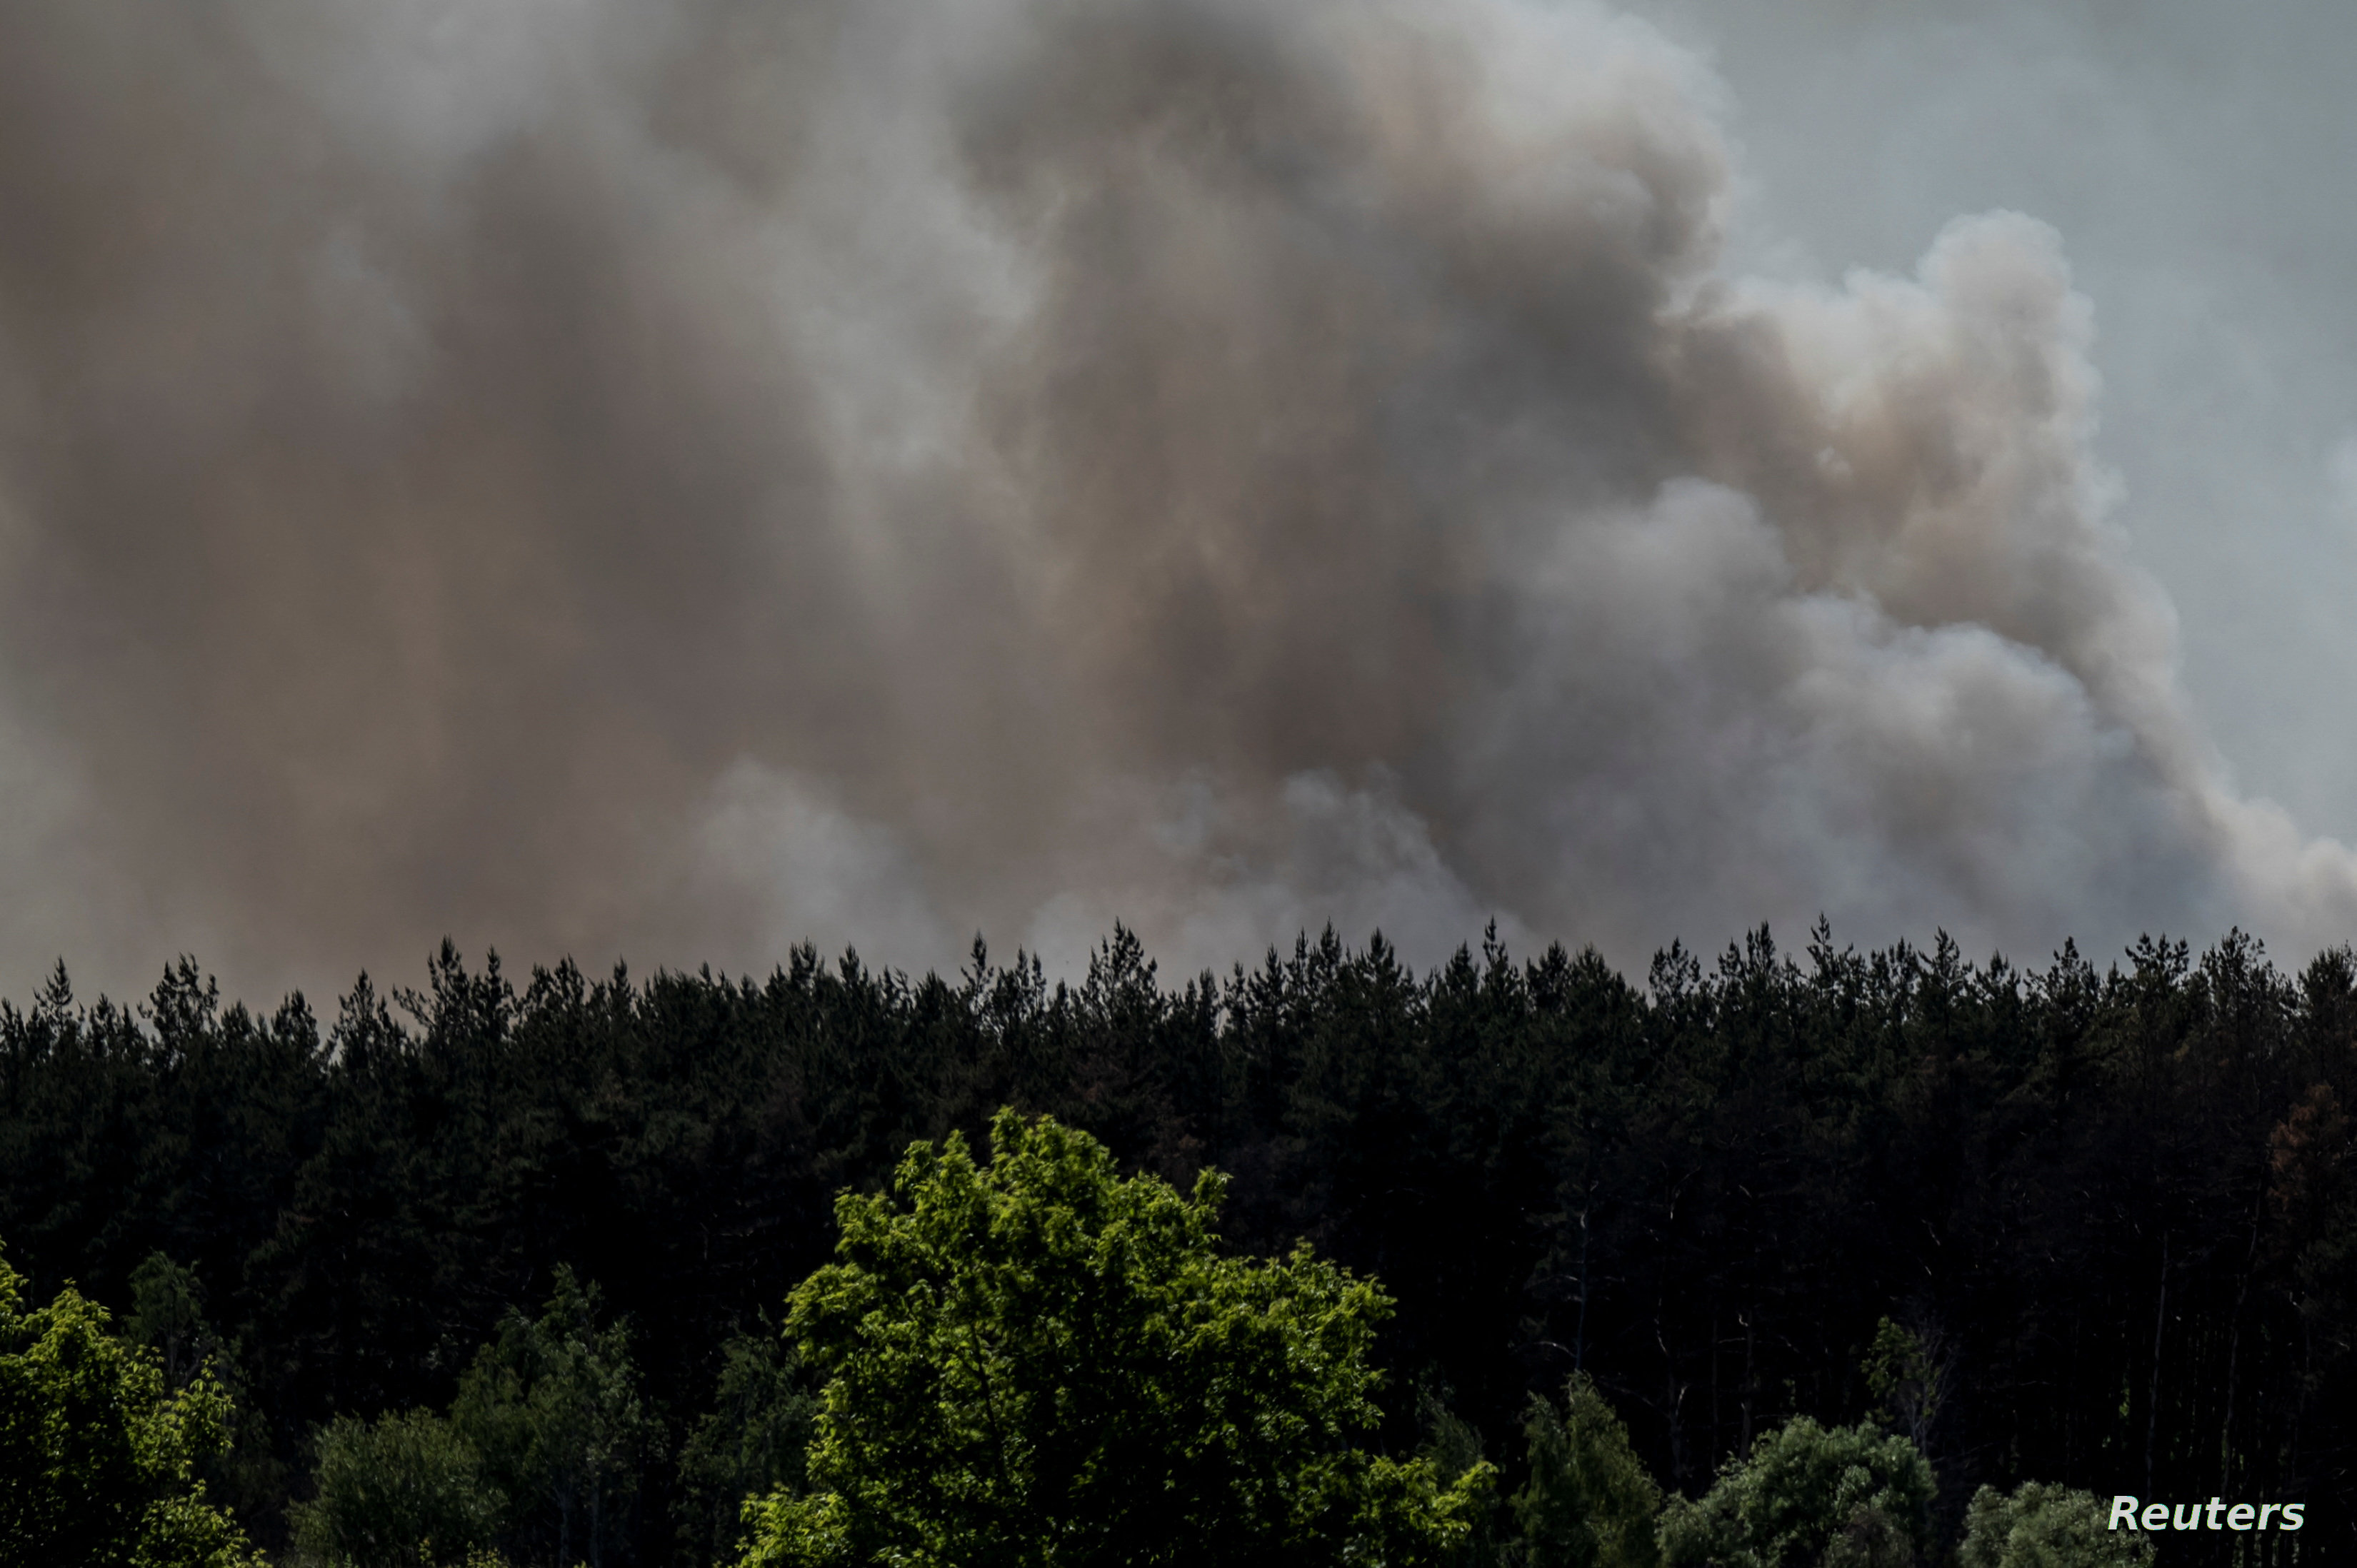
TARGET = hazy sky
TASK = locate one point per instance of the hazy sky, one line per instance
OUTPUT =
(2197, 161)
(670, 480)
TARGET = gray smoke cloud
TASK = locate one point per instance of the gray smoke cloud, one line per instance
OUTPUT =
(675, 480)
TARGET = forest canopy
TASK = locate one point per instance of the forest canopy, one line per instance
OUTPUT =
(2078, 1229)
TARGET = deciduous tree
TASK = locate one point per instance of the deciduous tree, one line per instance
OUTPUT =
(98, 1453)
(1039, 1361)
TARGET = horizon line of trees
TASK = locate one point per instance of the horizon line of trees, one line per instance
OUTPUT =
(2114, 1211)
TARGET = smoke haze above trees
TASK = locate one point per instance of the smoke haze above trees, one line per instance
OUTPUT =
(672, 481)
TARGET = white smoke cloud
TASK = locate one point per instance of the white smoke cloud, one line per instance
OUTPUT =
(1218, 877)
(867, 475)
(815, 874)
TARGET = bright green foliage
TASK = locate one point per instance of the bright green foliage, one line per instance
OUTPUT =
(167, 1316)
(2041, 1526)
(753, 1441)
(1453, 1446)
(1848, 1497)
(1041, 1363)
(395, 1493)
(1588, 1502)
(97, 1455)
(1451, 1441)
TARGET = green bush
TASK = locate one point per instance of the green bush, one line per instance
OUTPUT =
(1846, 1498)
(1588, 1502)
(390, 1493)
(2041, 1526)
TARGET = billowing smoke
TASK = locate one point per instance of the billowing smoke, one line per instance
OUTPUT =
(670, 480)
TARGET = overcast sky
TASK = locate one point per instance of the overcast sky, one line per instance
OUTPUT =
(668, 481)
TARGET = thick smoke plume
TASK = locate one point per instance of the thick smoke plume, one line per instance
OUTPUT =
(670, 480)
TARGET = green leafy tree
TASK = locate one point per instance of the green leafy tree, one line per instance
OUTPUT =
(396, 1492)
(553, 1407)
(1453, 1446)
(1846, 1498)
(541, 1451)
(167, 1312)
(752, 1441)
(1042, 1362)
(167, 1316)
(2041, 1526)
(1905, 1370)
(1588, 1502)
(98, 1455)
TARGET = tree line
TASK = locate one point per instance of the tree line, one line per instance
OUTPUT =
(1033, 1363)
(2073, 1227)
